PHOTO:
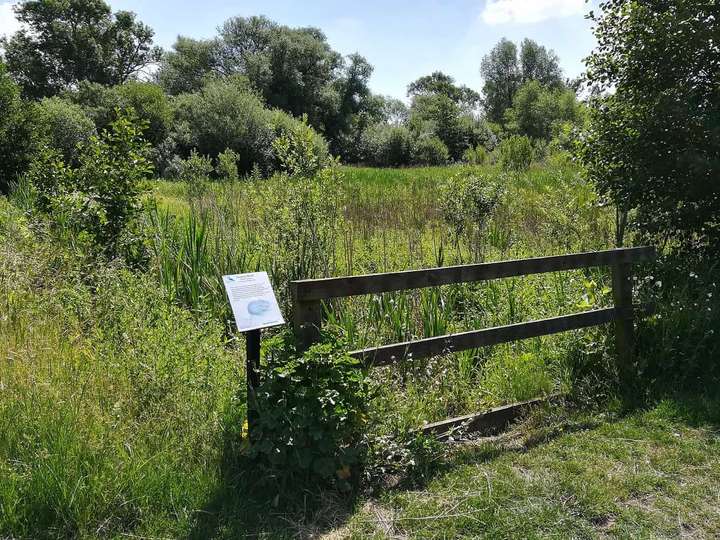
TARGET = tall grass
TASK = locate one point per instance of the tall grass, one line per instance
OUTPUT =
(373, 220)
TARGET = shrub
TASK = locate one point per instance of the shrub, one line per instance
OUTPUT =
(475, 156)
(18, 139)
(298, 149)
(387, 146)
(101, 196)
(311, 414)
(65, 126)
(430, 150)
(515, 153)
(467, 202)
(148, 101)
(195, 172)
(226, 167)
(225, 114)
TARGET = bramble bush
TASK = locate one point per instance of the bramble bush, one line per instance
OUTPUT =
(312, 409)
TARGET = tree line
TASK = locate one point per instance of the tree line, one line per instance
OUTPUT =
(648, 136)
(73, 64)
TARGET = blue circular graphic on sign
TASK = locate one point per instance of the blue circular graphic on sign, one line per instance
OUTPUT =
(258, 307)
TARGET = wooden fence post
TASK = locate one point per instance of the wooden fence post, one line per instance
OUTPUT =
(307, 319)
(624, 331)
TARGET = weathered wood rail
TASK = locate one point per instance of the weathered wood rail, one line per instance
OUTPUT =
(308, 296)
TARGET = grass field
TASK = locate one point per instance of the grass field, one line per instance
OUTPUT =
(122, 392)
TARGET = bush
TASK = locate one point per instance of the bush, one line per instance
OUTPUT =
(430, 150)
(225, 114)
(99, 198)
(298, 148)
(387, 146)
(311, 414)
(65, 126)
(226, 168)
(467, 202)
(18, 139)
(195, 172)
(475, 156)
(515, 153)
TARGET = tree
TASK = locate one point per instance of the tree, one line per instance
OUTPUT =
(18, 138)
(440, 84)
(185, 68)
(653, 145)
(64, 126)
(502, 77)
(540, 64)
(68, 41)
(537, 110)
(504, 73)
(289, 66)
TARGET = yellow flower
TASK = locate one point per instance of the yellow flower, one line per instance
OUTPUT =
(245, 429)
(343, 473)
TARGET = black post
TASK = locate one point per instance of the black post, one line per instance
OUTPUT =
(252, 348)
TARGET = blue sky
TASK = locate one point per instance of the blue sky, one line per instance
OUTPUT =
(403, 39)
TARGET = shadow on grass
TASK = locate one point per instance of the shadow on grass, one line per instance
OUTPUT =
(242, 507)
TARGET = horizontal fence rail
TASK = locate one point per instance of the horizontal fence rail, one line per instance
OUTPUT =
(324, 289)
(425, 348)
(308, 296)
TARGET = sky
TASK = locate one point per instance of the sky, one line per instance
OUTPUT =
(402, 39)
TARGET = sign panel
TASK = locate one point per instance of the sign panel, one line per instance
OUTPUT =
(253, 301)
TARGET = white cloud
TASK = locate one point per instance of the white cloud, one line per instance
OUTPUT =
(529, 11)
(8, 23)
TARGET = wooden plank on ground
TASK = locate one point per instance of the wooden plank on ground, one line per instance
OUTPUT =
(474, 339)
(487, 421)
(321, 289)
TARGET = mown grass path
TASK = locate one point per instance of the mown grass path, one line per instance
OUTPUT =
(651, 474)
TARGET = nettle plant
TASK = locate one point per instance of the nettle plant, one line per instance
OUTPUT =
(312, 411)
(98, 200)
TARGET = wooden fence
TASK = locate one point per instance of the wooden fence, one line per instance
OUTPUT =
(308, 296)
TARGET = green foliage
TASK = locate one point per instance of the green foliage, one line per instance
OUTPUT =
(116, 415)
(195, 171)
(387, 146)
(100, 197)
(515, 153)
(65, 126)
(312, 411)
(292, 69)
(299, 150)
(467, 202)
(440, 84)
(225, 114)
(18, 132)
(537, 111)
(186, 67)
(147, 100)
(679, 343)
(653, 146)
(226, 167)
(64, 43)
(430, 150)
(504, 73)
(475, 156)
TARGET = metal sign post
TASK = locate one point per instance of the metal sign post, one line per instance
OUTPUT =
(255, 307)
